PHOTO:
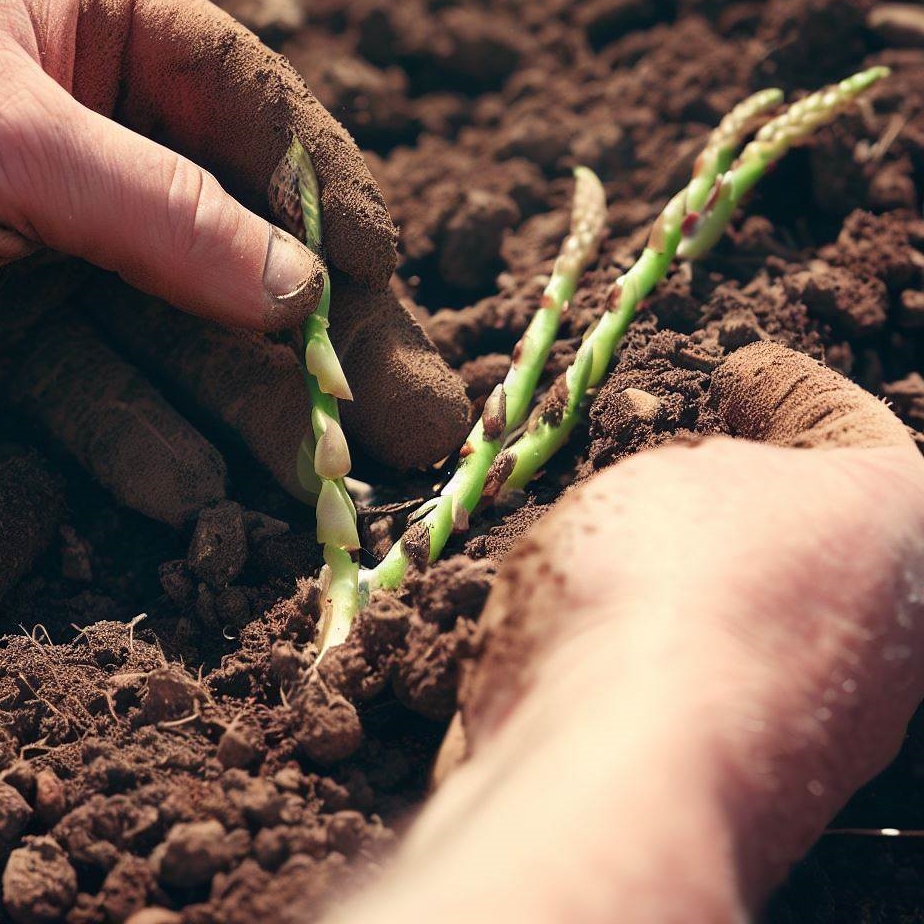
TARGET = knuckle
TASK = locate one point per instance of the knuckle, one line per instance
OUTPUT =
(21, 105)
(184, 194)
(200, 214)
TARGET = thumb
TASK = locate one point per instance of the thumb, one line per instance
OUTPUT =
(75, 181)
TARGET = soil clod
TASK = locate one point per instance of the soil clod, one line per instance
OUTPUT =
(39, 885)
(218, 550)
(326, 725)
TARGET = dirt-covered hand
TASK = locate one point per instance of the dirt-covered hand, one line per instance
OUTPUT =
(687, 668)
(112, 114)
(114, 111)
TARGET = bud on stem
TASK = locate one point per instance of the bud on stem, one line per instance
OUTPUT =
(321, 362)
(329, 455)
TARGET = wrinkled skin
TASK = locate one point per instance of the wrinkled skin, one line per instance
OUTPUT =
(688, 667)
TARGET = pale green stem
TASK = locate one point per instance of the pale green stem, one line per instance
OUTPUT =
(552, 427)
(508, 405)
(681, 230)
(723, 144)
(772, 142)
(324, 457)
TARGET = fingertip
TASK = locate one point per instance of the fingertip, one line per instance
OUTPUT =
(293, 279)
(359, 236)
(410, 408)
(768, 392)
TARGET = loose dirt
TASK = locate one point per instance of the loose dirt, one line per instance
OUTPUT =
(198, 760)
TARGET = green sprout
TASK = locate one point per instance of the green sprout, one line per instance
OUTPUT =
(689, 226)
(507, 406)
(772, 142)
(499, 453)
(324, 457)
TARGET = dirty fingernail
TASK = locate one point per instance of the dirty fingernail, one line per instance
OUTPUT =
(293, 279)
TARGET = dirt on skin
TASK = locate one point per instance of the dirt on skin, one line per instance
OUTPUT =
(198, 761)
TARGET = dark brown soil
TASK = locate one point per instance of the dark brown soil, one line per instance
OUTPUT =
(197, 759)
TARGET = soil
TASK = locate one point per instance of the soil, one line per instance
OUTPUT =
(165, 741)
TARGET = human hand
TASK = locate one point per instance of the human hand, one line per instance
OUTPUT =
(112, 114)
(687, 668)
(85, 81)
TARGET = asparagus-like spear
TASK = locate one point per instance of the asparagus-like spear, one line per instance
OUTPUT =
(771, 143)
(683, 229)
(324, 457)
(507, 406)
(724, 141)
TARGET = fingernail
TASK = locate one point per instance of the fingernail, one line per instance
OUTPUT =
(293, 278)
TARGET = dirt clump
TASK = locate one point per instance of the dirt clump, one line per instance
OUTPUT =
(877, 245)
(50, 797)
(497, 540)
(241, 746)
(15, 813)
(171, 694)
(452, 588)
(911, 310)
(899, 24)
(39, 885)
(484, 374)
(656, 392)
(126, 888)
(272, 20)
(427, 674)
(858, 307)
(191, 854)
(472, 238)
(218, 550)
(361, 668)
(327, 727)
(907, 397)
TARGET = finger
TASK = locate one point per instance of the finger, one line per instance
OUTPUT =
(409, 409)
(242, 380)
(712, 649)
(792, 579)
(103, 411)
(185, 73)
(764, 392)
(768, 392)
(84, 185)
